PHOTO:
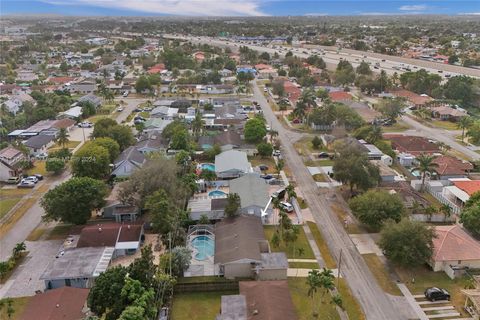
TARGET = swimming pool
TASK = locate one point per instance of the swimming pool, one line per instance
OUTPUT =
(217, 193)
(208, 166)
(205, 247)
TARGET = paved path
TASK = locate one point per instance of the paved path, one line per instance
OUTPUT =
(303, 260)
(375, 303)
(411, 301)
(313, 245)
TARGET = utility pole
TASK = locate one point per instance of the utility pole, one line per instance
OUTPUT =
(339, 266)
(170, 250)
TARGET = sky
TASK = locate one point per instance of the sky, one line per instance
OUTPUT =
(237, 7)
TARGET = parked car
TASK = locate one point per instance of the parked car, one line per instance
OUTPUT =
(323, 155)
(85, 124)
(138, 110)
(263, 167)
(30, 179)
(125, 94)
(276, 153)
(26, 184)
(287, 206)
(266, 176)
(139, 118)
(434, 294)
(120, 109)
(39, 176)
(42, 156)
(13, 180)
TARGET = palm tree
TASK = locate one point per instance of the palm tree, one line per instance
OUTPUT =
(273, 134)
(326, 280)
(308, 98)
(62, 138)
(300, 110)
(279, 166)
(313, 282)
(338, 301)
(444, 148)
(425, 166)
(19, 248)
(290, 189)
(375, 134)
(463, 123)
(446, 210)
(197, 124)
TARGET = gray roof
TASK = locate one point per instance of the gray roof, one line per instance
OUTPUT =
(130, 154)
(274, 260)
(238, 239)
(96, 101)
(154, 142)
(232, 160)
(39, 141)
(79, 263)
(233, 307)
(252, 189)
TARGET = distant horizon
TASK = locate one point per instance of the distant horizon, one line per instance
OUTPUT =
(235, 8)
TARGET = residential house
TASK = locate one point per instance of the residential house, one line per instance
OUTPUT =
(164, 112)
(84, 87)
(412, 144)
(77, 267)
(91, 98)
(387, 174)
(450, 167)
(9, 160)
(454, 249)
(73, 113)
(125, 238)
(127, 162)
(267, 73)
(241, 250)
(231, 164)
(292, 92)
(460, 191)
(413, 99)
(155, 124)
(254, 196)
(339, 96)
(17, 100)
(63, 303)
(152, 143)
(212, 208)
(26, 75)
(39, 144)
(227, 140)
(158, 68)
(447, 113)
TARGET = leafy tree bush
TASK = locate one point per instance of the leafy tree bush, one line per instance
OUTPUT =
(91, 161)
(55, 165)
(265, 149)
(407, 243)
(255, 130)
(74, 200)
(374, 207)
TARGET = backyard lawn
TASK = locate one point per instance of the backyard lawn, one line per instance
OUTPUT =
(301, 242)
(304, 304)
(381, 274)
(197, 305)
(18, 305)
(447, 125)
(424, 278)
(322, 246)
(398, 126)
(38, 167)
(69, 145)
(269, 162)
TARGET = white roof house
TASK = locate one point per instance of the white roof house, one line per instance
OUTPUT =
(232, 164)
(72, 113)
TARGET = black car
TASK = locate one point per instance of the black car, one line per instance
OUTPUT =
(266, 176)
(263, 167)
(323, 155)
(434, 294)
(39, 176)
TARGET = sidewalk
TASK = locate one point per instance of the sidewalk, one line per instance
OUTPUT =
(411, 301)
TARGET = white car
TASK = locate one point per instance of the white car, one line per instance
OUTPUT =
(125, 94)
(85, 124)
(286, 206)
(276, 153)
(120, 109)
(30, 179)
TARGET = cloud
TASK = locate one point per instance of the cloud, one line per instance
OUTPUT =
(414, 7)
(175, 7)
(316, 14)
(469, 14)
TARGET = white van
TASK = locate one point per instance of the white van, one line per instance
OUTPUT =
(286, 206)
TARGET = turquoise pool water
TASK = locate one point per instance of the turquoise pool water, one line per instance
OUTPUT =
(217, 193)
(208, 166)
(205, 247)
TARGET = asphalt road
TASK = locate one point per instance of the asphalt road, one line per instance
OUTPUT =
(439, 135)
(332, 57)
(33, 216)
(375, 303)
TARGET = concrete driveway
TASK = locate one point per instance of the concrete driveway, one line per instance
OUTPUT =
(26, 278)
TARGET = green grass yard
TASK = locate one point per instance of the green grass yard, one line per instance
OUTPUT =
(322, 245)
(7, 204)
(381, 274)
(18, 305)
(197, 305)
(301, 242)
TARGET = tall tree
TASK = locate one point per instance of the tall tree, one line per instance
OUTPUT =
(425, 165)
(62, 137)
(407, 243)
(463, 123)
(233, 205)
(74, 200)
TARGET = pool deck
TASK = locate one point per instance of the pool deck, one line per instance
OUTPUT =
(199, 268)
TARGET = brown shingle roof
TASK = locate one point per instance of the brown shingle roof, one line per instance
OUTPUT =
(412, 144)
(453, 243)
(451, 166)
(268, 300)
(130, 232)
(102, 235)
(63, 123)
(238, 238)
(64, 303)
